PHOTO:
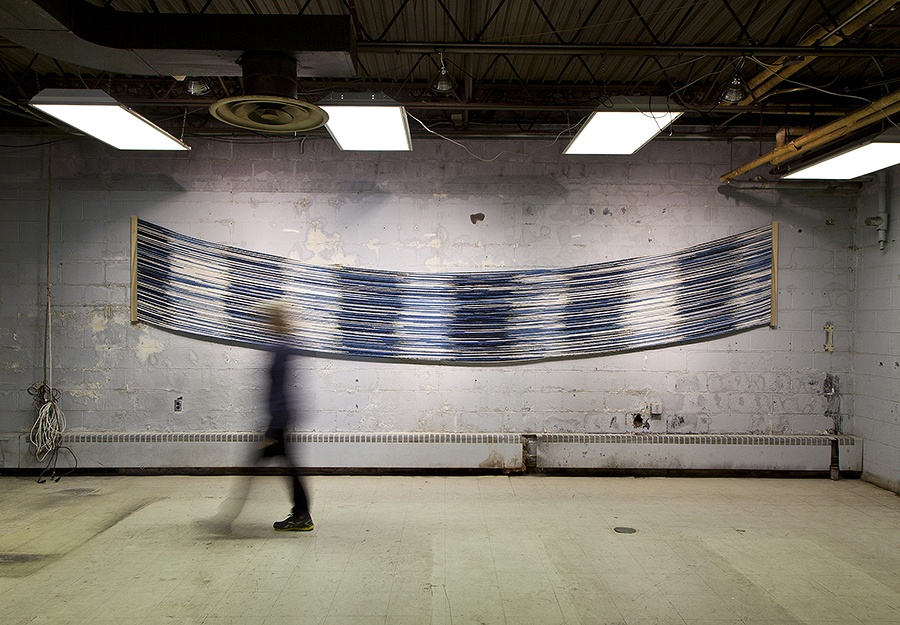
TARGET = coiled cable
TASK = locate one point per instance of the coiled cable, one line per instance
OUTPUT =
(50, 422)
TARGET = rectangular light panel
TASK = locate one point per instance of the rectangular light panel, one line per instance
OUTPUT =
(619, 132)
(94, 112)
(369, 127)
(857, 162)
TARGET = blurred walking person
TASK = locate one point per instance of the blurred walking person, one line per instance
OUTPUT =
(281, 415)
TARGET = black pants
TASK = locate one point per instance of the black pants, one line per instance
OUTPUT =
(278, 450)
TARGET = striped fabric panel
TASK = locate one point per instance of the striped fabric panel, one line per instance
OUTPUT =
(215, 291)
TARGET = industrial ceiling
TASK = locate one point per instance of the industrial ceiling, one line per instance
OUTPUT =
(520, 68)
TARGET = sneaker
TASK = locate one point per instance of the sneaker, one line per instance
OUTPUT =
(295, 524)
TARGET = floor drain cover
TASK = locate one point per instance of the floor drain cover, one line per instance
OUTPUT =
(625, 530)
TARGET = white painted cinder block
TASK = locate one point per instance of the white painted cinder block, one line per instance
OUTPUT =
(411, 212)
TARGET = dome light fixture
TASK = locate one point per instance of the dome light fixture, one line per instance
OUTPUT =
(444, 84)
(735, 90)
(197, 86)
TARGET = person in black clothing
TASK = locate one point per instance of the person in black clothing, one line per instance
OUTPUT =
(281, 415)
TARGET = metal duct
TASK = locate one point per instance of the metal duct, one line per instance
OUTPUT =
(270, 103)
(269, 51)
(168, 44)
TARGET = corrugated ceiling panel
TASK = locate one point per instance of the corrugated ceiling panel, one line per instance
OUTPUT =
(588, 22)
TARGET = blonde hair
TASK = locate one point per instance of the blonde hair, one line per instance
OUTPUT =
(277, 315)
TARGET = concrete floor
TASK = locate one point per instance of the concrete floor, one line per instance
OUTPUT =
(451, 550)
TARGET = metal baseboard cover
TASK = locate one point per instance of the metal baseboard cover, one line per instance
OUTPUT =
(436, 450)
(723, 452)
(362, 450)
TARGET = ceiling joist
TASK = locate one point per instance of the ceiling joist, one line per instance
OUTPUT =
(539, 64)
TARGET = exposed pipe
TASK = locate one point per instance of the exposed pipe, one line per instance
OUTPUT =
(835, 467)
(858, 16)
(789, 185)
(838, 133)
(883, 203)
(782, 134)
(874, 112)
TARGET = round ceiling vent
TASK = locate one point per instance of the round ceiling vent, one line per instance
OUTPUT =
(269, 113)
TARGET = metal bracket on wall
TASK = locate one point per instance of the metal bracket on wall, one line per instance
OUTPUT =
(829, 337)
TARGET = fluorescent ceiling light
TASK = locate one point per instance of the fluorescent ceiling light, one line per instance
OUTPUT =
(96, 113)
(367, 122)
(623, 128)
(882, 152)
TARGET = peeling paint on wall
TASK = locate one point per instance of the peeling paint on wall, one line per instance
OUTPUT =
(93, 391)
(831, 391)
(148, 347)
(495, 460)
(99, 322)
(326, 248)
(100, 319)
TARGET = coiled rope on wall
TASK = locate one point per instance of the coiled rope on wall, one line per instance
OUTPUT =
(192, 286)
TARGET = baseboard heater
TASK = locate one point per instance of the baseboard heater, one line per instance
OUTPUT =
(331, 450)
(698, 452)
(473, 451)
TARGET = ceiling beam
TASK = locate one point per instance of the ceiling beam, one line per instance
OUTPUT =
(737, 50)
(455, 105)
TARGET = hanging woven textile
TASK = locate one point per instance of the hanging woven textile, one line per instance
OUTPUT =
(216, 291)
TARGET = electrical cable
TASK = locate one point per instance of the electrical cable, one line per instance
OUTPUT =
(50, 422)
(774, 70)
(499, 154)
(48, 428)
(47, 431)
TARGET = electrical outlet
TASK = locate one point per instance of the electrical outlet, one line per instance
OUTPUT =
(179, 404)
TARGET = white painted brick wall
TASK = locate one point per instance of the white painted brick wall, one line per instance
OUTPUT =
(412, 212)
(876, 338)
